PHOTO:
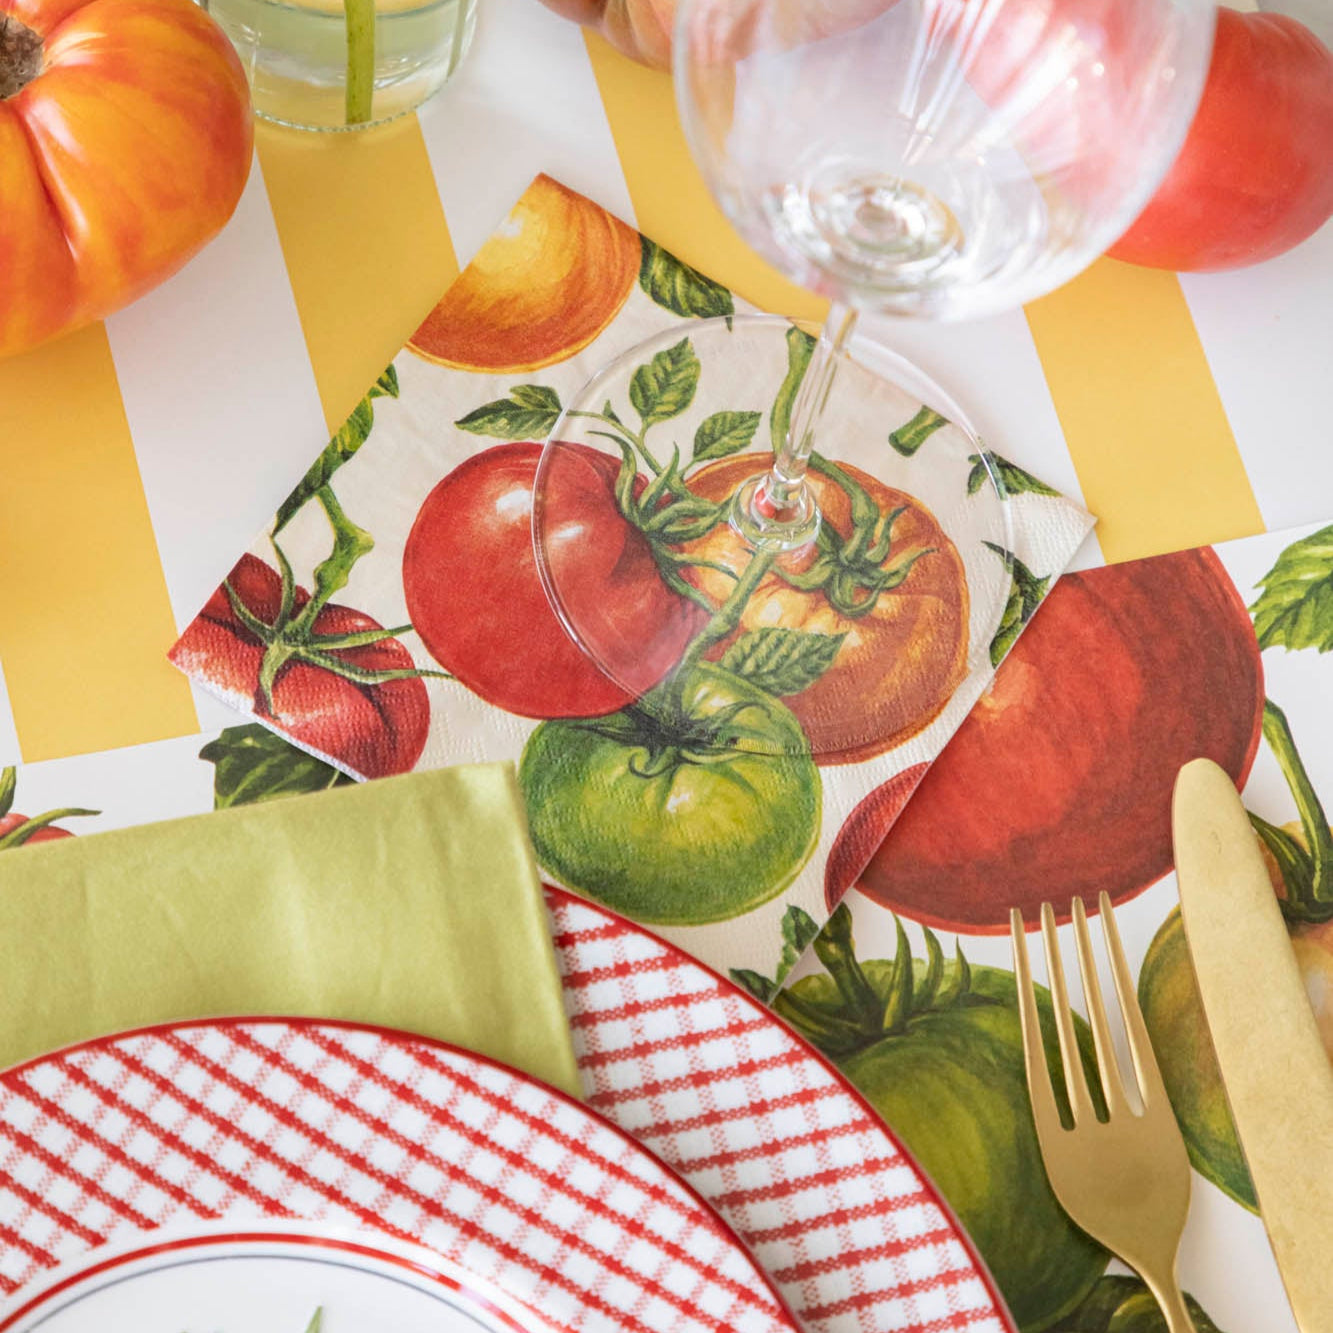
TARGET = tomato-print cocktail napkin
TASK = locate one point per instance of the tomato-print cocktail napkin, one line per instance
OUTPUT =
(392, 616)
(411, 903)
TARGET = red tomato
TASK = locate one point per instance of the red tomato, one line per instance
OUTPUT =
(125, 143)
(474, 594)
(371, 730)
(18, 830)
(13, 820)
(1255, 176)
(866, 827)
(1058, 783)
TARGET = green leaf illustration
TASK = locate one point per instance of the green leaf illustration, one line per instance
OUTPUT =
(1013, 479)
(529, 413)
(678, 287)
(665, 387)
(1123, 1304)
(909, 438)
(352, 434)
(252, 764)
(758, 986)
(316, 1321)
(782, 661)
(724, 433)
(799, 930)
(1025, 596)
(1295, 609)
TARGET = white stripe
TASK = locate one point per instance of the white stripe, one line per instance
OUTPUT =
(9, 737)
(1268, 336)
(524, 101)
(221, 399)
(991, 367)
(139, 784)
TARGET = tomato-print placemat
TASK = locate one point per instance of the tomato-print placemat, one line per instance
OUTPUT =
(392, 616)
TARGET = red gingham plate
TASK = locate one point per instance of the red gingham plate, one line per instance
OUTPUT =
(856, 1237)
(149, 1136)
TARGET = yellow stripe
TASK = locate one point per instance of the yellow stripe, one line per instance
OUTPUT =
(85, 621)
(671, 201)
(366, 244)
(1145, 426)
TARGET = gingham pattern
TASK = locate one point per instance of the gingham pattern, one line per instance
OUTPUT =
(362, 1128)
(770, 1134)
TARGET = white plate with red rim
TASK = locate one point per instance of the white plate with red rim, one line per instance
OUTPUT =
(550, 1218)
(284, 1276)
(206, 1136)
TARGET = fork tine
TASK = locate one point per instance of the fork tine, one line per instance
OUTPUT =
(1045, 1112)
(1151, 1087)
(1080, 1100)
(1107, 1065)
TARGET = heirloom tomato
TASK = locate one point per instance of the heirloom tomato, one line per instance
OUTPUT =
(474, 594)
(1062, 773)
(361, 705)
(639, 28)
(125, 142)
(1255, 174)
(898, 661)
(642, 29)
(695, 805)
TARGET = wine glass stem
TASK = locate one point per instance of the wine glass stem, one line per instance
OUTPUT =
(789, 464)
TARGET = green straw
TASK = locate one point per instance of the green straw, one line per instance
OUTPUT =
(360, 60)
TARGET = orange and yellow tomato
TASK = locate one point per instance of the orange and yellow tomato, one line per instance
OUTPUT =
(125, 142)
(550, 279)
(901, 662)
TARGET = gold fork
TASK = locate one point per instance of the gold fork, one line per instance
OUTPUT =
(1124, 1180)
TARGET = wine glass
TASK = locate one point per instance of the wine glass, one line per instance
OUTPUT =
(937, 159)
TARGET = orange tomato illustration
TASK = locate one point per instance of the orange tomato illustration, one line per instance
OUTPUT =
(899, 662)
(542, 288)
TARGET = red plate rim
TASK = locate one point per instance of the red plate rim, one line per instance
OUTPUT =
(554, 891)
(401, 1037)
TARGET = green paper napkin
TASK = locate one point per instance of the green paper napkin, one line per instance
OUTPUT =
(411, 902)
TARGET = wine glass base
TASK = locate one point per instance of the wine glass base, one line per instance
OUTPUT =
(840, 640)
(767, 526)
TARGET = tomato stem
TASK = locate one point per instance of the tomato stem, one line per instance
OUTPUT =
(1317, 893)
(633, 437)
(20, 56)
(727, 617)
(836, 949)
(16, 837)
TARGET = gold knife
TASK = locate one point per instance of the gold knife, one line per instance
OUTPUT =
(1276, 1073)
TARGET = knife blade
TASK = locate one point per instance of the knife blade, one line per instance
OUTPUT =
(1277, 1075)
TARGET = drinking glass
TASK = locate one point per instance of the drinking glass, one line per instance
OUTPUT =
(937, 159)
(330, 65)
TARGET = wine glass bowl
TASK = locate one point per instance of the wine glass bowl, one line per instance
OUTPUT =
(931, 158)
(938, 158)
